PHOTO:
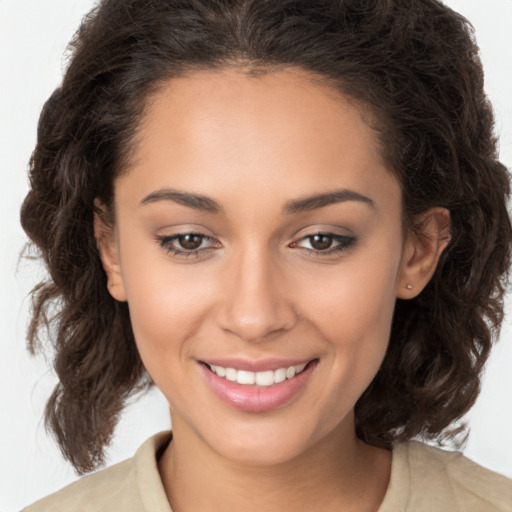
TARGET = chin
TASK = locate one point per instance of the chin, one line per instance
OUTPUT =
(268, 452)
(265, 443)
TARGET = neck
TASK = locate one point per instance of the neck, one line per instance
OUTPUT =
(338, 473)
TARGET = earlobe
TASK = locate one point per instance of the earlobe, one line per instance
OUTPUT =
(422, 250)
(106, 244)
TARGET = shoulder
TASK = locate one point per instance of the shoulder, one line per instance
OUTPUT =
(435, 479)
(131, 486)
(93, 492)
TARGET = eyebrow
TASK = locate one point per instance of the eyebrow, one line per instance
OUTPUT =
(206, 204)
(314, 202)
(195, 201)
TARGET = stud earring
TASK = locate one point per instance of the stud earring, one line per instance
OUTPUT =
(409, 286)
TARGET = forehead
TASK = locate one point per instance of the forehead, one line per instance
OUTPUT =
(281, 133)
(291, 101)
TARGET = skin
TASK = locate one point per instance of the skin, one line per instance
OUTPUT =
(258, 288)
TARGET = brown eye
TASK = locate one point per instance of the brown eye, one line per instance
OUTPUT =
(190, 242)
(325, 244)
(188, 245)
(320, 242)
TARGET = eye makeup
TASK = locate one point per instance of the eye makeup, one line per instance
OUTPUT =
(193, 244)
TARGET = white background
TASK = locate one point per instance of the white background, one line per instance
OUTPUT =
(33, 36)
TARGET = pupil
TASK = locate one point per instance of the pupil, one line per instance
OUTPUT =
(190, 242)
(321, 242)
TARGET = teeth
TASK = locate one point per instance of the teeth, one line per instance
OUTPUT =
(266, 378)
(290, 372)
(243, 377)
(280, 375)
(231, 374)
(220, 371)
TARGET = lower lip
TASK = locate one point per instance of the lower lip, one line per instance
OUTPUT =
(256, 398)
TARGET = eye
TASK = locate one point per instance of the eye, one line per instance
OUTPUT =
(320, 242)
(190, 241)
(325, 243)
(187, 244)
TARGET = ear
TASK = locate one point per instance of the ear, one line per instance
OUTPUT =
(109, 253)
(422, 250)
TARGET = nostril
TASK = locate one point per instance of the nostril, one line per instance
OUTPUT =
(256, 322)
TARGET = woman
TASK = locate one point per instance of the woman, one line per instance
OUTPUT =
(290, 217)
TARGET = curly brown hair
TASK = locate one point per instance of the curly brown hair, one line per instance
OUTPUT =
(413, 63)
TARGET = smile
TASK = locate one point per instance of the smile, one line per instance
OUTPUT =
(241, 387)
(265, 378)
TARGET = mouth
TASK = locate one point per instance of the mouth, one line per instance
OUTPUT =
(260, 389)
(264, 378)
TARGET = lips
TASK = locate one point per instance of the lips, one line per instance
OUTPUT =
(252, 387)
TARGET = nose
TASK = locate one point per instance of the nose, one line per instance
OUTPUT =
(256, 304)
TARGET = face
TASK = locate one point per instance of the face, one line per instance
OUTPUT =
(258, 234)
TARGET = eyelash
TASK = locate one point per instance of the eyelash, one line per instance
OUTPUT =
(344, 243)
(167, 241)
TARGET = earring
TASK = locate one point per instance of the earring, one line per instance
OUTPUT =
(409, 286)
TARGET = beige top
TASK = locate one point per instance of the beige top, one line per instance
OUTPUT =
(423, 479)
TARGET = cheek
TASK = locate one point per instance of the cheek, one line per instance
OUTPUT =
(355, 300)
(353, 311)
(167, 303)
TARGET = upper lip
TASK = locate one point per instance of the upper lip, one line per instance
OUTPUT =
(256, 366)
